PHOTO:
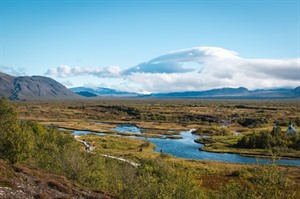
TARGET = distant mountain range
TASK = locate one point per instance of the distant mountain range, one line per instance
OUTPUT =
(90, 92)
(39, 87)
(35, 87)
(234, 93)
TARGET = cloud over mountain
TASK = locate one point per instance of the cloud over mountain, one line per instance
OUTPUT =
(176, 61)
(198, 68)
(12, 71)
(217, 67)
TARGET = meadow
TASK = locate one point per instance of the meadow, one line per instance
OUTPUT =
(225, 122)
(161, 175)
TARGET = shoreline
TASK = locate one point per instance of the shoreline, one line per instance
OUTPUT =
(252, 155)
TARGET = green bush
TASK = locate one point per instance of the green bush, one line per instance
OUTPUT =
(268, 140)
(265, 182)
(16, 139)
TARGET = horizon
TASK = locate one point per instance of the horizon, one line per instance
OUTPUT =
(157, 46)
(217, 88)
(95, 88)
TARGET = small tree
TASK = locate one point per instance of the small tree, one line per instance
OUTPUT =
(16, 140)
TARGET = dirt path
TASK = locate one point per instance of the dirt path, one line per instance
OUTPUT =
(89, 148)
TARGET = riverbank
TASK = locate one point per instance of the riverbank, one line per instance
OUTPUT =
(214, 144)
(213, 174)
(168, 117)
(185, 147)
(226, 144)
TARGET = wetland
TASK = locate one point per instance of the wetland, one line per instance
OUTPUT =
(163, 137)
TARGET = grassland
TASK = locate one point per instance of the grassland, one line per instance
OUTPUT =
(211, 175)
(169, 117)
(174, 114)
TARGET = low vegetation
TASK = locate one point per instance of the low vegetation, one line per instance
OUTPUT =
(267, 140)
(264, 143)
(45, 148)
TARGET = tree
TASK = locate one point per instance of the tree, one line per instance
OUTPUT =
(16, 139)
(8, 117)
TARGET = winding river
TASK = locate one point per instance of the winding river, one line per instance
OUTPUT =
(187, 148)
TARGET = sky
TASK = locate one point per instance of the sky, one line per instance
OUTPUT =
(153, 46)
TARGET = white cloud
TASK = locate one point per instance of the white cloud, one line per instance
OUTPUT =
(66, 71)
(67, 83)
(198, 68)
(12, 71)
(218, 67)
(174, 62)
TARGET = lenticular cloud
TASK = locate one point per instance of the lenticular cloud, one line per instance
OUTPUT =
(213, 67)
(198, 68)
(173, 62)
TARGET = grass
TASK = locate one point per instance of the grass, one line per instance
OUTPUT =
(167, 117)
(226, 144)
(174, 137)
(38, 183)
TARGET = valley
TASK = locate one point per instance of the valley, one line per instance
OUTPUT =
(219, 120)
(129, 129)
(149, 99)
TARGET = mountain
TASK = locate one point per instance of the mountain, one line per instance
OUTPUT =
(232, 93)
(296, 91)
(219, 93)
(87, 92)
(222, 92)
(35, 87)
(39, 87)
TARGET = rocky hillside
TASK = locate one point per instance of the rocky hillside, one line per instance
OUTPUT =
(21, 182)
(35, 87)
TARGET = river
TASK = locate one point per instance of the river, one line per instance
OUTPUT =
(187, 148)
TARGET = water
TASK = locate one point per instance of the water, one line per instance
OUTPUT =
(187, 148)
(127, 128)
(79, 132)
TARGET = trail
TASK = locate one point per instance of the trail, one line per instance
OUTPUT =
(89, 148)
(122, 159)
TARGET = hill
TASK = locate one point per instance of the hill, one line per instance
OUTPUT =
(35, 87)
(19, 181)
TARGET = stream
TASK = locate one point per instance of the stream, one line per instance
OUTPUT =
(187, 148)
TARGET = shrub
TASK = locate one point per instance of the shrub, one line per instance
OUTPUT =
(16, 139)
(267, 140)
(265, 181)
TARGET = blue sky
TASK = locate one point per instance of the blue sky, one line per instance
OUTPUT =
(124, 44)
